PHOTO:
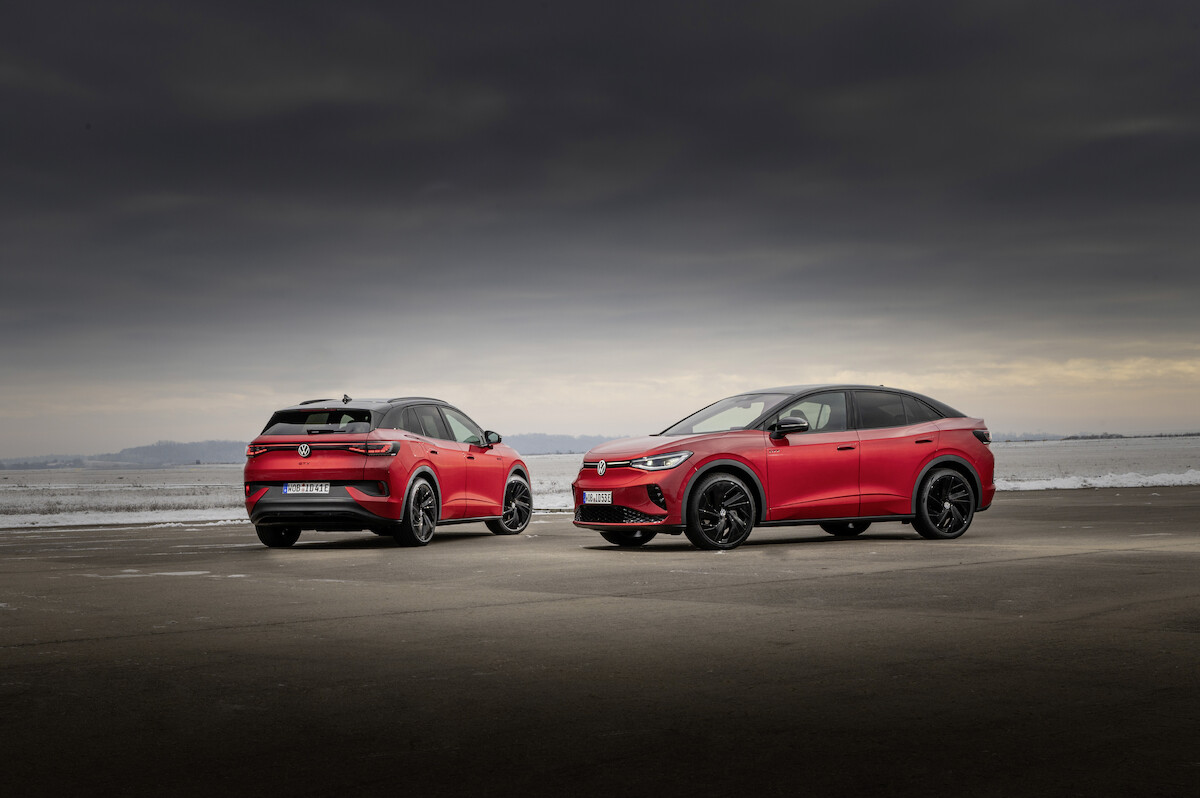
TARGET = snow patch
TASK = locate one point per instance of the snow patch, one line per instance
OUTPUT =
(1130, 480)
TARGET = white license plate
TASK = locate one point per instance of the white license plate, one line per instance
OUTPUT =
(306, 487)
(597, 497)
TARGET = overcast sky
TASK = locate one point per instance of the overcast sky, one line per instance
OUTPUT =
(593, 220)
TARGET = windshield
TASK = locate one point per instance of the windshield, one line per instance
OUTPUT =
(736, 412)
(315, 422)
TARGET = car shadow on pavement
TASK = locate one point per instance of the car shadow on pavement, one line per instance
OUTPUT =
(682, 543)
(371, 541)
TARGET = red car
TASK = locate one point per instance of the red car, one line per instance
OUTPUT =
(841, 456)
(396, 467)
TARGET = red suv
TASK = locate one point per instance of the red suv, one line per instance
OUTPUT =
(841, 456)
(397, 467)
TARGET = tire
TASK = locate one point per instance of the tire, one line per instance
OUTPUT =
(945, 505)
(518, 507)
(629, 539)
(278, 537)
(720, 513)
(846, 529)
(420, 515)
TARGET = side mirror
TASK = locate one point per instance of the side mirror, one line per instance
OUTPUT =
(786, 425)
(491, 438)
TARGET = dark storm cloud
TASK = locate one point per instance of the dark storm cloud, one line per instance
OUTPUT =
(357, 103)
(176, 176)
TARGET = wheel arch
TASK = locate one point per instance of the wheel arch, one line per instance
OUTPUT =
(520, 469)
(955, 463)
(424, 471)
(735, 468)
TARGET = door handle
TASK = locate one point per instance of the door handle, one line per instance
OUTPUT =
(470, 457)
(433, 451)
(925, 440)
(845, 448)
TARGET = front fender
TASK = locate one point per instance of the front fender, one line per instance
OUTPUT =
(737, 467)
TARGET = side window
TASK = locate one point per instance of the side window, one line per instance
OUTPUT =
(878, 409)
(918, 412)
(824, 412)
(462, 429)
(409, 421)
(431, 423)
(392, 419)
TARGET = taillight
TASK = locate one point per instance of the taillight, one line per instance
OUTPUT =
(375, 449)
(255, 449)
(983, 435)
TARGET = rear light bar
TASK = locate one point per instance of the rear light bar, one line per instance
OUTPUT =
(373, 448)
(384, 448)
(983, 435)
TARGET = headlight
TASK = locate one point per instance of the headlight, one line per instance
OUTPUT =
(660, 462)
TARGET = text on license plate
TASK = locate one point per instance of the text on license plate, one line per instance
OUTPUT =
(597, 497)
(306, 487)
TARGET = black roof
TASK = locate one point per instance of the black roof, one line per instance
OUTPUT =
(366, 404)
(796, 390)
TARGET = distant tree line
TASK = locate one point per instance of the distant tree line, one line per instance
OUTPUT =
(172, 453)
(157, 455)
(542, 443)
(33, 465)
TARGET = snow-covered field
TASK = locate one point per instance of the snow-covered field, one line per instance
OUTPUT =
(213, 494)
(1116, 463)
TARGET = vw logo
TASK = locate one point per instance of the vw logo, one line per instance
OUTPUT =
(601, 467)
(304, 450)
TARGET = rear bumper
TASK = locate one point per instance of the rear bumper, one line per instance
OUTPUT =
(985, 501)
(344, 508)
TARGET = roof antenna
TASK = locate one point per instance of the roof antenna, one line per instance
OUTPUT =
(345, 399)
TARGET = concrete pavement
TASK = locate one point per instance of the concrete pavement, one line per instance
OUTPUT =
(1053, 650)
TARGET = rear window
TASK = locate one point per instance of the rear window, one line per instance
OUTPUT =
(877, 409)
(315, 422)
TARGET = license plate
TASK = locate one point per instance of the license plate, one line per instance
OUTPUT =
(597, 497)
(306, 487)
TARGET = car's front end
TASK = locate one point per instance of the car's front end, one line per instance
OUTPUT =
(633, 483)
(643, 483)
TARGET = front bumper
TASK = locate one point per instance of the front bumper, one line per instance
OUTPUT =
(640, 500)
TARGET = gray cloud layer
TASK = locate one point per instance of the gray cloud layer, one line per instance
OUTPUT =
(188, 192)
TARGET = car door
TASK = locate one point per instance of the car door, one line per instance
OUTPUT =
(447, 456)
(485, 472)
(814, 474)
(897, 437)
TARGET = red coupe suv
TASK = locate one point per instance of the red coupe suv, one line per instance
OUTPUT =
(841, 456)
(396, 467)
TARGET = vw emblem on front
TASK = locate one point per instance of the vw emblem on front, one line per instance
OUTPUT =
(304, 450)
(601, 467)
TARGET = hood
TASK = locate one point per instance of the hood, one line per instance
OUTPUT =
(631, 448)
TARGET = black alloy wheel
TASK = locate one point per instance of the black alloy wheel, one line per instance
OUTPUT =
(420, 515)
(945, 505)
(518, 507)
(846, 529)
(277, 537)
(720, 513)
(629, 538)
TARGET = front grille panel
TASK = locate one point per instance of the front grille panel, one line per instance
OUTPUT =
(614, 514)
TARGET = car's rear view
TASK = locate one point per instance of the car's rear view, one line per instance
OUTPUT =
(397, 467)
(319, 467)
